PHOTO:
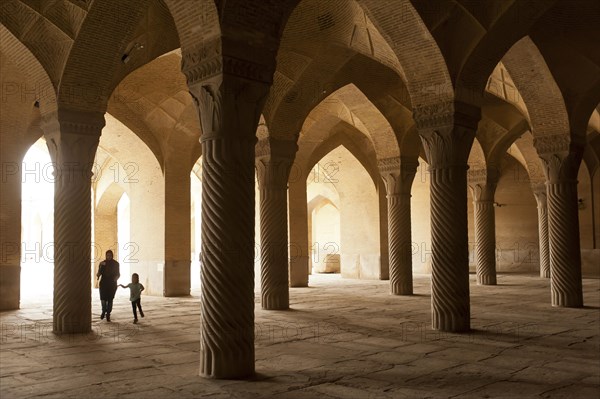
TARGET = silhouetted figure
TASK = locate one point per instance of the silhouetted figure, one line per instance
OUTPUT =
(135, 293)
(108, 273)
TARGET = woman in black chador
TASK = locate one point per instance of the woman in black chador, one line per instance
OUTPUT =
(109, 271)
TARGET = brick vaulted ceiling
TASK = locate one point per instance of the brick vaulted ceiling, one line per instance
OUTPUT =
(366, 60)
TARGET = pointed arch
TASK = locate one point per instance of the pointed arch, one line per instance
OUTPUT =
(416, 49)
(538, 88)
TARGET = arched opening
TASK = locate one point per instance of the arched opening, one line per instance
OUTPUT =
(128, 188)
(37, 225)
(325, 233)
(420, 212)
(340, 185)
(112, 231)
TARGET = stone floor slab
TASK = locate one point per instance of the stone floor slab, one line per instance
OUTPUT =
(341, 339)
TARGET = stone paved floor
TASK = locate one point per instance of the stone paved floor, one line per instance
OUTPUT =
(343, 339)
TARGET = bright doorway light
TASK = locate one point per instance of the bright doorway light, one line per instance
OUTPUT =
(37, 224)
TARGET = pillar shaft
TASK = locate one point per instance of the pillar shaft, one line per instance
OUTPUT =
(399, 233)
(274, 159)
(398, 175)
(450, 253)
(447, 148)
(227, 272)
(542, 207)
(483, 186)
(565, 255)
(72, 139)
(485, 236)
(273, 248)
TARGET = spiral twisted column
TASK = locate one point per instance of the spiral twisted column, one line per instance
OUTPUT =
(398, 174)
(485, 237)
(447, 138)
(72, 139)
(539, 190)
(483, 186)
(565, 255)
(229, 108)
(561, 158)
(273, 162)
(450, 260)
(227, 273)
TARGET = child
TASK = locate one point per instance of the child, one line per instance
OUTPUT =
(135, 291)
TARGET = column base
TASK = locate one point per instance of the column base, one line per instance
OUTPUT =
(219, 366)
(486, 280)
(449, 323)
(177, 278)
(299, 271)
(401, 290)
(275, 303)
(72, 326)
(567, 301)
(10, 287)
(299, 285)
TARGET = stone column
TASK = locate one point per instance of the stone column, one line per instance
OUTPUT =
(561, 158)
(398, 175)
(177, 278)
(539, 191)
(298, 228)
(447, 143)
(384, 242)
(72, 139)
(229, 107)
(273, 161)
(483, 186)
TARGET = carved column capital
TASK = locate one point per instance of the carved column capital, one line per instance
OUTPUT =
(447, 113)
(229, 107)
(447, 131)
(211, 58)
(65, 121)
(448, 148)
(398, 174)
(434, 116)
(539, 192)
(561, 157)
(274, 159)
(72, 138)
(202, 61)
(483, 183)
